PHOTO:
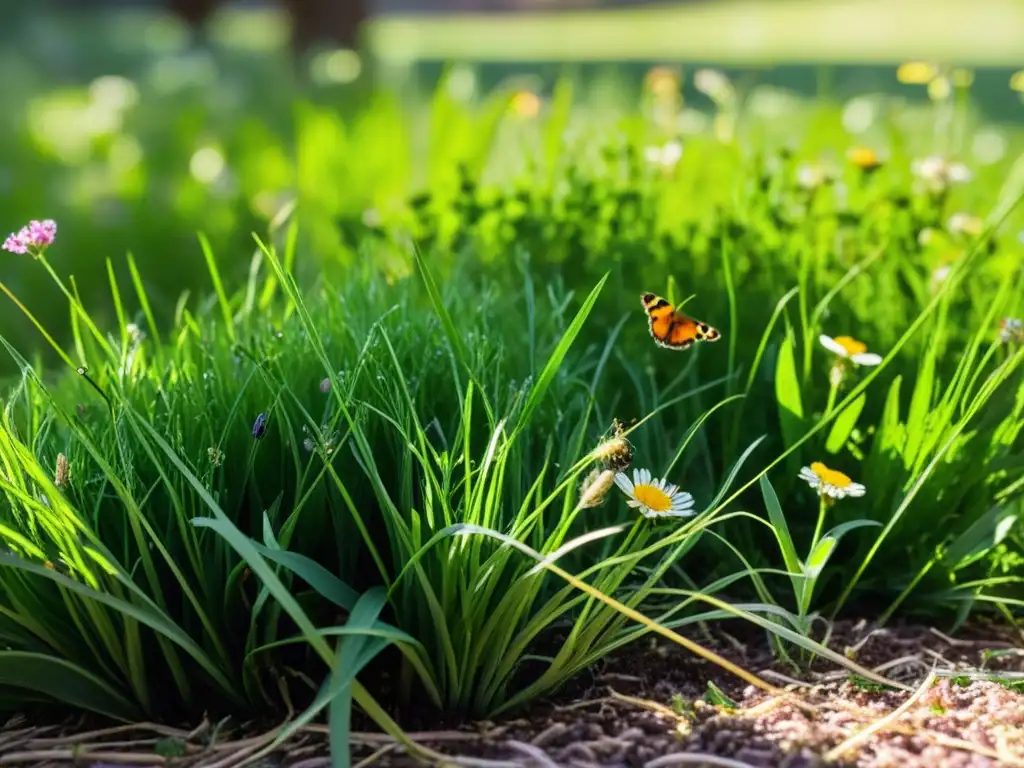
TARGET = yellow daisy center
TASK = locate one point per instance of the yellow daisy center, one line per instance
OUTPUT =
(864, 157)
(851, 345)
(652, 498)
(526, 104)
(662, 81)
(916, 73)
(830, 476)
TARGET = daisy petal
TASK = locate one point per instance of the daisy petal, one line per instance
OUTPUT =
(832, 345)
(866, 358)
(625, 484)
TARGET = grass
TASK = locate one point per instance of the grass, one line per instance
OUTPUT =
(379, 442)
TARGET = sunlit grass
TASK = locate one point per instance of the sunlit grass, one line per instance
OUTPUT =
(365, 440)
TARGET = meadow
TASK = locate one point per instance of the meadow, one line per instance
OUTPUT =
(332, 401)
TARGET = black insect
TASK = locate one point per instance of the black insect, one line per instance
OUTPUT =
(260, 426)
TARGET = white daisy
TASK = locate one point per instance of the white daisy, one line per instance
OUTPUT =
(830, 482)
(714, 84)
(811, 176)
(850, 349)
(666, 156)
(654, 498)
(938, 173)
(939, 275)
(1011, 329)
(965, 224)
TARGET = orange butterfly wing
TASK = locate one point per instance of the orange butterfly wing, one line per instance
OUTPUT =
(672, 329)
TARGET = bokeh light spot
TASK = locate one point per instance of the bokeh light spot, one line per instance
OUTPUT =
(206, 165)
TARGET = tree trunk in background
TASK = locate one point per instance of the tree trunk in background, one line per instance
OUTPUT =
(193, 12)
(334, 21)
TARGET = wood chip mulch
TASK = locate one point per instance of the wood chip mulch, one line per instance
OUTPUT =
(961, 706)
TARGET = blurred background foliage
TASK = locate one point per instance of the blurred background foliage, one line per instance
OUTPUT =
(527, 156)
(133, 133)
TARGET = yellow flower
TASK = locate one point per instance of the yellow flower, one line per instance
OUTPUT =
(916, 72)
(850, 349)
(830, 482)
(663, 82)
(864, 158)
(526, 104)
(654, 498)
(1017, 81)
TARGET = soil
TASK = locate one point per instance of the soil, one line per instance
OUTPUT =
(962, 705)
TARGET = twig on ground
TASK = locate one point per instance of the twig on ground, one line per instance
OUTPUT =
(682, 758)
(539, 755)
(653, 706)
(373, 758)
(771, 673)
(969, 643)
(863, 735)
(77, 756)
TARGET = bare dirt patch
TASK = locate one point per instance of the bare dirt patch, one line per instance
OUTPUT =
(963, 706)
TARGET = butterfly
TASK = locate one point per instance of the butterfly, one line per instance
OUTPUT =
(671, 329)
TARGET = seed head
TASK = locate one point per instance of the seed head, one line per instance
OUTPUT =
(62, 475)
(216, 455)
(615, 453)
(596, 486)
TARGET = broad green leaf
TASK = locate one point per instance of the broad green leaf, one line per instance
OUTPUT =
(314, 574)
(817, 559)
(983, 534)
(844, 424)
(788, 396)
(716, 697)
(787, 386)
(823, 550)
(781, 529)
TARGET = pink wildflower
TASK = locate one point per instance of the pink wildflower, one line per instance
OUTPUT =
(36, 235)
(15, 243)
